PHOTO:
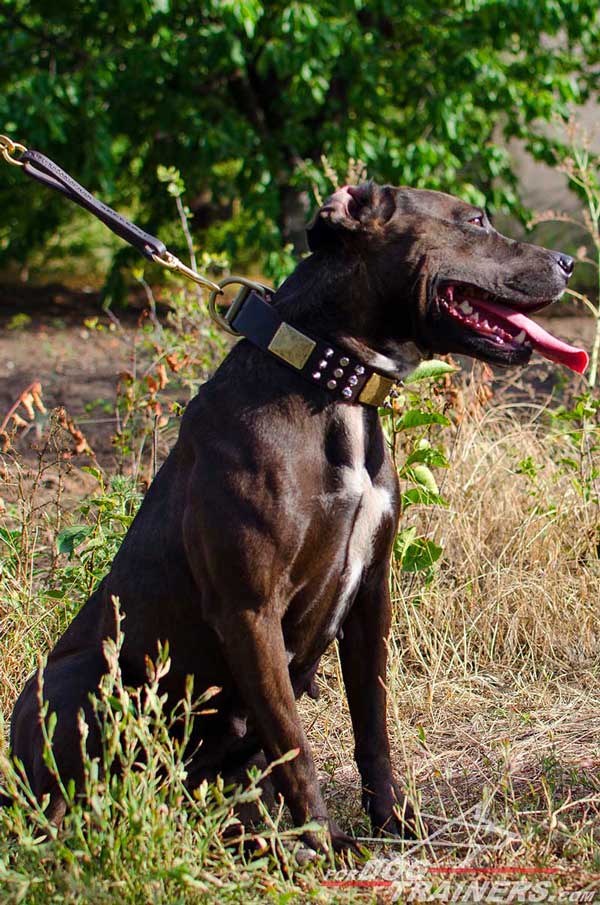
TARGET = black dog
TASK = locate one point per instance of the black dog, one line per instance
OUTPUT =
(267, 532)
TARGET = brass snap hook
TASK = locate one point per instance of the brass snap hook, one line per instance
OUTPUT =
(8, 147)
(171, 262)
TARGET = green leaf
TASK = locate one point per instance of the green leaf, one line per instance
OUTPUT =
(416, 418)
(422, 475)
(51, 724)
(430, 369)
(420, 555)
(430, 456)
(70, 538)
(403, 539)
(421, 496)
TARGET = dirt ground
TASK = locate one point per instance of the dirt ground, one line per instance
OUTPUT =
(44, 337)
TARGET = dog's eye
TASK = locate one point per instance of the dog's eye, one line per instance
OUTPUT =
(477, 221)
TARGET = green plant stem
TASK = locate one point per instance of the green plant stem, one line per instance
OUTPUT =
(595, 353)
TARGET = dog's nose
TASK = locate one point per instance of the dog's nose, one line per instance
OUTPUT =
(565, 262)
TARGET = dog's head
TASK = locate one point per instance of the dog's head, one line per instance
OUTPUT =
(448, 280)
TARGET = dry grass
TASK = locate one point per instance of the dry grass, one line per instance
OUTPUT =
(494, 665)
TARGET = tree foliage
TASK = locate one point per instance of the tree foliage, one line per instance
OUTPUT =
(243, 97)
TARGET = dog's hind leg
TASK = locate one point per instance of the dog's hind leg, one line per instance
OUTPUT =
(249, 813)
(68, 682)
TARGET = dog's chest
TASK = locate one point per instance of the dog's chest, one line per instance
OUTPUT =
(374, 504)
(366, 504)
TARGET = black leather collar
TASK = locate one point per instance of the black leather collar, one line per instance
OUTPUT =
(320, 362)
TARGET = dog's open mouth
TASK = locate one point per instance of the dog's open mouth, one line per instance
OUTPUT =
(504, 329)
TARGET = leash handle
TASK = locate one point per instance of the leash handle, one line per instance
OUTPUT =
(48, 173)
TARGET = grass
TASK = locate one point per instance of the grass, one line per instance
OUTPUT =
(493, 679)
(494, 655)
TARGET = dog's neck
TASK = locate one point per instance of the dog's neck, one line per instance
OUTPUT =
(338, 300)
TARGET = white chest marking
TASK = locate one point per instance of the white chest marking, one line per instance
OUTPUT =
(373, 504)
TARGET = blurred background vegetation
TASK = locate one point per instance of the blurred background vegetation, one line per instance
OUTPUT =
(243, 98)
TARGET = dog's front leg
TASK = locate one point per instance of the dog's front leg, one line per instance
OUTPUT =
(363, 654)
(255, 650)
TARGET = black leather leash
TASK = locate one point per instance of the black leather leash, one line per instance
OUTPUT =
(335, 371)
(45, 171)
(48, 173)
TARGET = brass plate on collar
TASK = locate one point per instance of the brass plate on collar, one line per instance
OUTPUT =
(375, 390)
(291, 345)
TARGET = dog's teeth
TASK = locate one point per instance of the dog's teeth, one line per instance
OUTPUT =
(521, 337)
(466, 308)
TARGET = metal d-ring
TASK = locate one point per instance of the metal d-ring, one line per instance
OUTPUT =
(224, 321)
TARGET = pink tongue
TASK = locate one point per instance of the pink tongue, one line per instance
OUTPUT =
(546, 344)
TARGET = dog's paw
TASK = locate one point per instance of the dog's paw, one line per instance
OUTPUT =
(341, 842)
(332, 838)
(392, 814)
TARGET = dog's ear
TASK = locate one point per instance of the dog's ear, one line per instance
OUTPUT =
(351, 209)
